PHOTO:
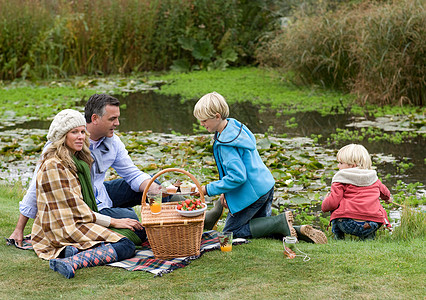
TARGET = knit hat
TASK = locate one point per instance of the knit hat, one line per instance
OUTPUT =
(63, 122)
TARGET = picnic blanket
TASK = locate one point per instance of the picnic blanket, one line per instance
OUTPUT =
(144, 259)
(26, 243)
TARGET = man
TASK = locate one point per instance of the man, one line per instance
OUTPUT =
(114, 198)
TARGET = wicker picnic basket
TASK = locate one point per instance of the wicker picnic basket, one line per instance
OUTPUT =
(169, 234)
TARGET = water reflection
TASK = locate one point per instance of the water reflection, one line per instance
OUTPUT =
(160, 113)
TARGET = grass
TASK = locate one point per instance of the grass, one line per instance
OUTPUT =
(266, 87)
(257, 85)
(39, 101)
(385, 268)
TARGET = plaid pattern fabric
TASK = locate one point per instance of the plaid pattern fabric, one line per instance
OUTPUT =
(144, 259)
(26, 243)
(63, 218)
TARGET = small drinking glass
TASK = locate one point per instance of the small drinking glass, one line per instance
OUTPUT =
(225, 240)
(289, 243)
(155, 199)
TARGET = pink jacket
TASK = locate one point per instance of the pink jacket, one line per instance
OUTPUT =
(348, 199)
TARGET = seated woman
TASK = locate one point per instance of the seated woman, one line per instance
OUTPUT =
(66, 230)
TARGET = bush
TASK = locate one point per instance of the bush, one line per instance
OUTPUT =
(373, 49)
(44, 38)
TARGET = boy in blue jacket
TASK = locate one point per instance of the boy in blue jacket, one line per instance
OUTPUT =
(246, 186)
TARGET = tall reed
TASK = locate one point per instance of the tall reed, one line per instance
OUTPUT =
(45, 38)
(374, 49)
(413, 225)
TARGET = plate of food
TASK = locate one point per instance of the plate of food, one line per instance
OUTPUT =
(191, 207)
(179, 188)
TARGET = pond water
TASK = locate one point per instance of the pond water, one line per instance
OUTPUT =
(167, 114)
(160, 113)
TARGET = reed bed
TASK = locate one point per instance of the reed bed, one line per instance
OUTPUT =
(46, 38)
(375, 49)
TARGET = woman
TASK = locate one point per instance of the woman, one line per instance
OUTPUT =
(66, 231)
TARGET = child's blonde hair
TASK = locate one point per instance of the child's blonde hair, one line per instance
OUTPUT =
(355, 154)
(209, 105)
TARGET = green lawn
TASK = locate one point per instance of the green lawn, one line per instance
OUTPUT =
(381, 269)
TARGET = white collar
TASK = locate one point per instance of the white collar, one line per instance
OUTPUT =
(356, 176)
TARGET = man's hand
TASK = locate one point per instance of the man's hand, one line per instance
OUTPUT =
(127, 223)
(18, 236)
(154, 187)
(18, 233)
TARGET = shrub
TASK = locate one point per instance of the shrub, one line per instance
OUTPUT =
(373, 49)
(44, 38)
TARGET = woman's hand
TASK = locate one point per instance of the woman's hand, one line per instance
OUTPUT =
(223, 201)
(127, 223)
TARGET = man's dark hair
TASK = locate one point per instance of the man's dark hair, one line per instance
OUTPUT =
(96, 105)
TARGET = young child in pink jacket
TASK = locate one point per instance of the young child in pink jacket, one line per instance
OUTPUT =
(354, 197)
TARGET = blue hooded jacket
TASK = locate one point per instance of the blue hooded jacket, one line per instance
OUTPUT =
(244, 178)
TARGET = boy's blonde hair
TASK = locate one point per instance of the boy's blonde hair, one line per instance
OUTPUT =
(355, 154)
(209, 105)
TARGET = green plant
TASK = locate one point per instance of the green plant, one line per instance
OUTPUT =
(413, 224)
(348, 47)
(44, 39)
(203, 56)
(371, 134)
(410, 193)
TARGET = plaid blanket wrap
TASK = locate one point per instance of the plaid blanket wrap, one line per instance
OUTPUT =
(63, 218)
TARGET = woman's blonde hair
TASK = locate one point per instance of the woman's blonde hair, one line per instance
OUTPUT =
(61, 150)
(355, 154)
(209, 105)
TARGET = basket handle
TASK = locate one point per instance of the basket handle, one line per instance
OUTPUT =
(172, 170)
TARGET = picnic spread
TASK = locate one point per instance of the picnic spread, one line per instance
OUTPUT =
(144, 259)
(175, 237)
(171, 234)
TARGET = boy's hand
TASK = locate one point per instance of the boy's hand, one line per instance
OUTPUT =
(223, 201)
(202, 191)
(390, 200)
